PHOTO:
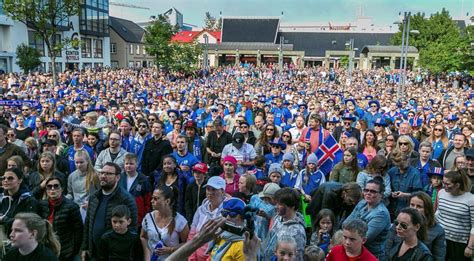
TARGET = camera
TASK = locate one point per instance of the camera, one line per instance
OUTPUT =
(248, 216)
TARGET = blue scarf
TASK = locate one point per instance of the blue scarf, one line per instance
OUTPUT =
(197, 147)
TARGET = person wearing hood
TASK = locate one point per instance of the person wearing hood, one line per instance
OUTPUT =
(287, 222)
(210, 209)
(229, 246)
(16, 198)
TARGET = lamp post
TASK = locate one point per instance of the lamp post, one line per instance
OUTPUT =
(206, 51)
(350, 67)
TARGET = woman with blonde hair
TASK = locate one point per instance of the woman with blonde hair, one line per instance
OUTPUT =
(55, 135)
(46, 169)
(33, 237)
(406, 146)
(83, 181)
(439, 140)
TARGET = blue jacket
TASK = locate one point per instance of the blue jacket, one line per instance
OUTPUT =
(378, 222)
(408, 182)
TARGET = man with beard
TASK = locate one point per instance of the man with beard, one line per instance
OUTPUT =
(139, 140)
(101, 203)
(298, 129)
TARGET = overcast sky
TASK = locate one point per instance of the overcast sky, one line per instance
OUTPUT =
(383, 12)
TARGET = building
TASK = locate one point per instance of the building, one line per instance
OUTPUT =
(126, 45)
(91, 28)
(175, 17)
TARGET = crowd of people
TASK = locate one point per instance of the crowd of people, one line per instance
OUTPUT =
(236, 163)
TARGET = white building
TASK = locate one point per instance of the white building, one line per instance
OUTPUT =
(91, 28)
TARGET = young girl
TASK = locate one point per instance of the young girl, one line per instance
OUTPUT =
(436, 180)
(310, 178)
(323, 229)
(290, 173)
(347, 170)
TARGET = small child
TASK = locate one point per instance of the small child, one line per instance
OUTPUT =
(260, 167)
(275, 173)
(285, 249)
(310, 178)
(313, 253)
(121, 243)
(290, 174)
(336, 239)
(323, 229)
(436, 184)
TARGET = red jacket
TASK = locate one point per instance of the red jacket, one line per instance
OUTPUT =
(338, 253)
(141, 190)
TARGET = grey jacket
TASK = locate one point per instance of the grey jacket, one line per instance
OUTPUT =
(105, 157)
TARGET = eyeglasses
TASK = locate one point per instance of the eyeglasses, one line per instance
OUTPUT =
(52, 187)
(25, 109)
(347, 123)
(402, 225)
(403, 143)
(389, 139)
(374, 106)
(286, 136)
(371, 191)
(276, 146)
(52, 136)
(9, 178)
(151, 119)
(244, 126)
(312, 108)
(226, 213)
(270, 129)
(438, 129)
(106, 173)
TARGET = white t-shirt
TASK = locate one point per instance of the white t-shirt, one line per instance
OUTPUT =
(169, 240)
(130, 181)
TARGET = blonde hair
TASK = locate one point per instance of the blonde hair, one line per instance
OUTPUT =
(50, 156)
(91, 175)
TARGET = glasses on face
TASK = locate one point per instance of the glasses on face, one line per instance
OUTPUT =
(389, 139)
(52, 136)
(402, 225)
(312, 108)
(347, 123)
(373, 106)
(52, 187)
(142, 126)
(244, 126)
(9, 178)
(371, 191)
(270, 129)
(286, 136)
(438, 129)
(25, 109)
(151, 119)
(403, 143)
(226, 213)
(10, 135)
(276, 146)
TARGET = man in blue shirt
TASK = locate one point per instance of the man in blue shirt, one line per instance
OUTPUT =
(276, 156)
(184, 158)
(77, 138)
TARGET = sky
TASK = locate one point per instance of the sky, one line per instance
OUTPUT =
(383, 12)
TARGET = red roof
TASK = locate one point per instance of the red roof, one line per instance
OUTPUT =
(189, 36)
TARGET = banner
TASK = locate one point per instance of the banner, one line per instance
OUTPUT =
(19, 103)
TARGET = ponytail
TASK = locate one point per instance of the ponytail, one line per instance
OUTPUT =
(51, 239)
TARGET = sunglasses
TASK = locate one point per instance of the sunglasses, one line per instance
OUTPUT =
(226, 213)
(52, 187)
(402, 225)
(390, 140)
(52, 136)
(371, 191)
(270, 129)
(438, 129)
(286, 136)
(403, 143)
(9, 178)
(151, 119)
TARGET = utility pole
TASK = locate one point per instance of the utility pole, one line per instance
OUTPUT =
(280, 55)
(403, 54)
(206, 51)
(351, 57)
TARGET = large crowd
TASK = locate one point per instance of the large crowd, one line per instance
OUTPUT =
(236, 163)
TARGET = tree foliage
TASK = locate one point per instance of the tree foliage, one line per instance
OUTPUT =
(211, 23)
(173, 56)
(28, 58)
(439, 42)
(47, 18)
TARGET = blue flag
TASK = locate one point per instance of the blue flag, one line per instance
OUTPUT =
(326, 153)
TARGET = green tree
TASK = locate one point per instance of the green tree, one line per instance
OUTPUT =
(158, 41)
(47, 18)
(28, 58)
(468, 51)
(211, 23)
(174, 56)
(439, 41)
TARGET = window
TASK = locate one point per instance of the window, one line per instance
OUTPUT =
(1, 7)
(138, 49)
(86, 48)
(144, 50)
(130, 64)
(98, 49)
(59, 67)
(87, 65)
(113, 48)
(131, 49)
(114, 64)
(34, 41)
(98, 65)
(94, 17)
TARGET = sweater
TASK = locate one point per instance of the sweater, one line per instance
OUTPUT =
(41, 253)
(456, 215)
(12, 150)
(105, 156)
(119, 247)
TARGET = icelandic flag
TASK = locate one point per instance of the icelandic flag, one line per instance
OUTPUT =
(326, 153)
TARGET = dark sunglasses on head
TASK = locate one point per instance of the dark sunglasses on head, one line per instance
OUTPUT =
(226, 213)
(402, 225)
(53, 187)
(9, 178)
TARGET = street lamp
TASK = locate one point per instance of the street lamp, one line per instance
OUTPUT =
(404, 50)
(350, 45)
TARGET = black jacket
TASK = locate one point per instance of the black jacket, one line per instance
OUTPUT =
(420, 252)
(22, 201)
(445, 154)
(67, 224)
(34, 181)
(153, 152)
(118, 197)
(193, 199)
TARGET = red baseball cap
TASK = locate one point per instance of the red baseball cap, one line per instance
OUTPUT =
(201, 167)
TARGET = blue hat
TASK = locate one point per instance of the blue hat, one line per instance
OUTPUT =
(452, 117)
(278, 143)
(375, 102)
(312, 158)
(303, 104)
(369, 97)
(235, 205)
(186, 111)
(350, 100)
(331, 100)
(333, 119)
(348, 116)
(53, 122)
(173, 111)
(380, 122)
(435, 171)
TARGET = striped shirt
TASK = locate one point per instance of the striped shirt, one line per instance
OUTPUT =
(456, 215)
